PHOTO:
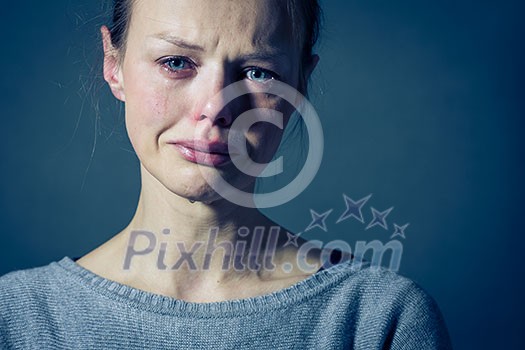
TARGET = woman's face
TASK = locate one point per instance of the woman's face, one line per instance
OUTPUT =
(181, 53)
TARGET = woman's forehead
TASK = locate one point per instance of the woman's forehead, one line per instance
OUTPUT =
(243, 25)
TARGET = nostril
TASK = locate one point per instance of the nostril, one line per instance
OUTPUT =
(222, 121)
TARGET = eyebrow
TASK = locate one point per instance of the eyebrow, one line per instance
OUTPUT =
(266, 55)
(177, 41)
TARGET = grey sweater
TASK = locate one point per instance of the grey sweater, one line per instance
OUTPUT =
(64, 306)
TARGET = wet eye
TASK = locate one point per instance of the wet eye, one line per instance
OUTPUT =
(177, 64)
(260, 75)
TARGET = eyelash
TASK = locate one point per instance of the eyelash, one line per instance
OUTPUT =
(164, 63)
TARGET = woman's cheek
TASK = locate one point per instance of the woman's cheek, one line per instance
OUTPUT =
(264, 139)
(146, 118)
(147, 93)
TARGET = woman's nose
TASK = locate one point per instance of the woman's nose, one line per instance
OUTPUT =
(216, 106)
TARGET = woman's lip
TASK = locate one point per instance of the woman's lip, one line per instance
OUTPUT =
(204, 157)
(207, 147)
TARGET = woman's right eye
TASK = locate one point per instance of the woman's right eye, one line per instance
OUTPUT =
(177, 64)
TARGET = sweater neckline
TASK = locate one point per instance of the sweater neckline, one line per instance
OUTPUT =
(301, 291)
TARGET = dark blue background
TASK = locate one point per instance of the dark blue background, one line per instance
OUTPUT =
(421, 103)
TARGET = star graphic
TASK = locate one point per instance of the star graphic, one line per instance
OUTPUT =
(399, 231)
(292, 239)
(353, 208)
(318, 220)
(379, 218)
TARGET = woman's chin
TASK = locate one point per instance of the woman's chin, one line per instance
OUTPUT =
(200, 190)
(202, 184)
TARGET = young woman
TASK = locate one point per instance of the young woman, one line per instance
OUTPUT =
(184, 273)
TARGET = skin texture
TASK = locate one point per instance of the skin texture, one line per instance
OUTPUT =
(179, 56)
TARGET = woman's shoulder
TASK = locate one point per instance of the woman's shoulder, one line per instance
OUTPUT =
(373, 282)
(32, 297)
(375, 296)
(30, 287)
(377, 286)
(379, 280)
(23, 277)
(343, 279)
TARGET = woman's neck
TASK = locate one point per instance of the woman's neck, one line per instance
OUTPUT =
(189, 220)
(175, 247)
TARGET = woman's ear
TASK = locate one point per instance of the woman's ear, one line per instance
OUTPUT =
(307, 70)
(314, 59)
(112, 66)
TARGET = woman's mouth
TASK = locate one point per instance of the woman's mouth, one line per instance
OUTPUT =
(203, 152)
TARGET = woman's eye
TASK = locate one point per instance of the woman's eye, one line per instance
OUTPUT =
(260, 75)
(177, 64)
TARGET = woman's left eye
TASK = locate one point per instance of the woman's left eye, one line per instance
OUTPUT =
(260, 75)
